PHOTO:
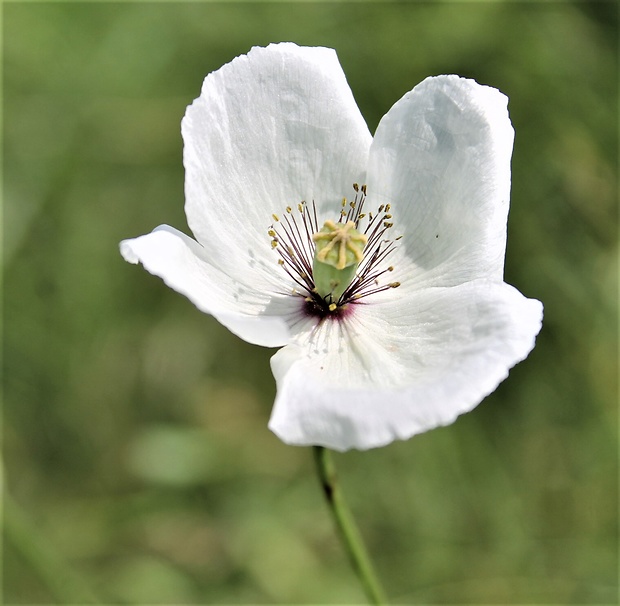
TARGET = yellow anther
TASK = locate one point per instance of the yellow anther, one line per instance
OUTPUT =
(330, 280)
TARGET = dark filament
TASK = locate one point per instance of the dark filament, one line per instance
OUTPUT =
(291, 237)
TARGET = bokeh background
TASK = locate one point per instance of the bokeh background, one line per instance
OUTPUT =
(138, 463)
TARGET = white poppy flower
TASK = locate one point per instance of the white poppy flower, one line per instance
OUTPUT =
(423, 326)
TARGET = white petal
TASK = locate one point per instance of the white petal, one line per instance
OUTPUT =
(395, 370)
(270, 129)
(257, 317)
(441, 158)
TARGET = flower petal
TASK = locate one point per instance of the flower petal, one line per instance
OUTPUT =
(270, 129)
(392, 371)
(256, 317)
(441, 158)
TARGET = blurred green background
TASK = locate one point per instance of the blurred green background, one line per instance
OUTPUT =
(138, 463)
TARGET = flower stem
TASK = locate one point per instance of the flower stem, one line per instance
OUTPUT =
(347, 529)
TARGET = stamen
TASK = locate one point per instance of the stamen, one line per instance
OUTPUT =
(353, 256)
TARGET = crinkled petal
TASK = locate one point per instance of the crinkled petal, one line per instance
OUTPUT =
(257, 317)
(270, 129)
(441, 158)
(394, 370)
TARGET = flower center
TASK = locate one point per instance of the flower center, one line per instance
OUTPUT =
(340, 247)
(336, 265)
(338, 253)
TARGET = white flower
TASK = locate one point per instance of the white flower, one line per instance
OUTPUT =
(279, 126)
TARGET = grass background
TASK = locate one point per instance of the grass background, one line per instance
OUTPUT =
(138, 464)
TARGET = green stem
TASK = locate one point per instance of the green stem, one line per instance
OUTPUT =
(347, 529)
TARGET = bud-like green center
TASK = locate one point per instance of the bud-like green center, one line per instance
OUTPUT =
(334, 266)
(338, 253)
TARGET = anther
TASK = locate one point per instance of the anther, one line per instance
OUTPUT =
(337, 264)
